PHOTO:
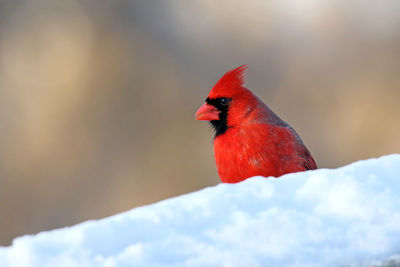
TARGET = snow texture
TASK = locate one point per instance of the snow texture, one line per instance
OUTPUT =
(344, 217)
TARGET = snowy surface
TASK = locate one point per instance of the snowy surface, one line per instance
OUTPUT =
(344, 217)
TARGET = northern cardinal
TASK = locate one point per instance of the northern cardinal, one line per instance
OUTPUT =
(250, 139)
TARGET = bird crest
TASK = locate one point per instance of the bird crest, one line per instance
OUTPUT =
(231, 83)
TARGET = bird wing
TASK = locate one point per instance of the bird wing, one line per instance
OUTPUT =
(310, 163)
(303, 153)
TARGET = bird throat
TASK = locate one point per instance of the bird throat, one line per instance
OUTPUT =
(220, 126)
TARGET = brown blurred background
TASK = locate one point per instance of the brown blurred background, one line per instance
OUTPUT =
(97, 97)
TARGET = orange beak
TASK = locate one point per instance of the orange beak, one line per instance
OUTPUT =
(207, 113)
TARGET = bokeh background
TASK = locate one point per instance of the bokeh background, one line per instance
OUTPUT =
(97, 97)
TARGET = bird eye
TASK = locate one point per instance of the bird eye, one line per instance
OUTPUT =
(224, 101)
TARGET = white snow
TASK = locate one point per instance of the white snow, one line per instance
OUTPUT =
(344, 217)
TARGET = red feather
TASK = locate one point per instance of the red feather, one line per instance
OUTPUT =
(256, 140)
(230, 83)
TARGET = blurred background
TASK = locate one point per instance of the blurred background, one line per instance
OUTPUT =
(97, 97)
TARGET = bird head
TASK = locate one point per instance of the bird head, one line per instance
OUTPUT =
(229, 102)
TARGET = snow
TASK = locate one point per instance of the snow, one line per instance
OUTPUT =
(328, 217)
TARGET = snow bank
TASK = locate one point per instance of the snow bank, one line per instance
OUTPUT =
(347, 216)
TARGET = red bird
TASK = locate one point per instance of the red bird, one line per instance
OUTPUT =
(250, 139)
